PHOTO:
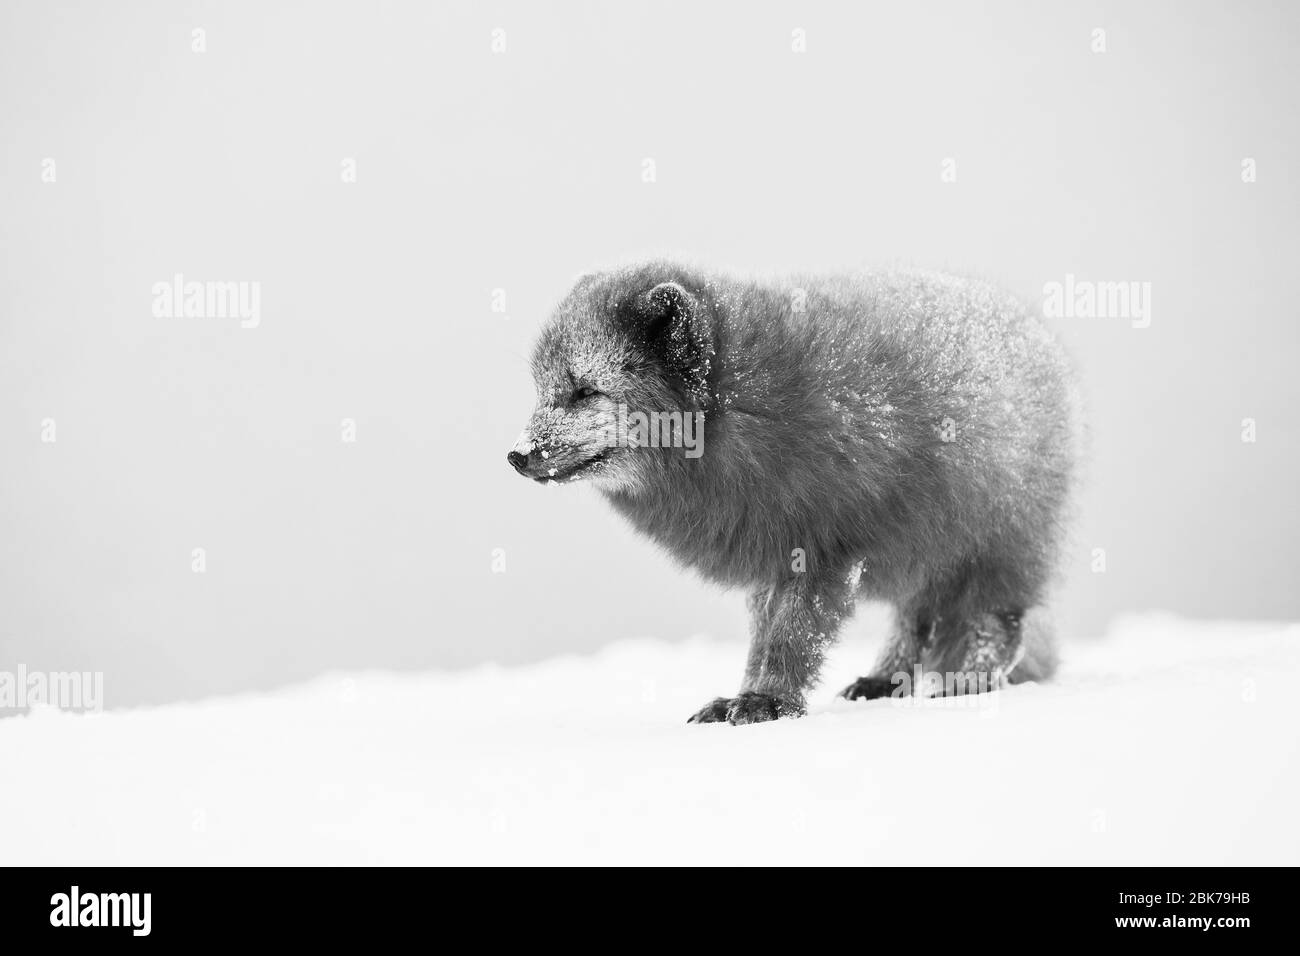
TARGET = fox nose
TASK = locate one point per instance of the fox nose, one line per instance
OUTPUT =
(520, 462)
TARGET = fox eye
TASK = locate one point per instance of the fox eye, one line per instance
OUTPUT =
(585, 392)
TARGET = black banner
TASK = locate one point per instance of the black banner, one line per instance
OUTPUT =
(923, 905)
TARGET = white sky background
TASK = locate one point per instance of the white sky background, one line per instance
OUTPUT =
(518, 171)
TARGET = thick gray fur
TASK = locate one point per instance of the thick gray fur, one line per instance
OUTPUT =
(905, 437)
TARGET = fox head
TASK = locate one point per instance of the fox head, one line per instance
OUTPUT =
(618, 345)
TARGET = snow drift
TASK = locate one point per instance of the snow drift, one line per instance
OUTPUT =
(1168, 743)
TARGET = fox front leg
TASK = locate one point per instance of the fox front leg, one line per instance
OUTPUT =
(912, 632)
(791, 625)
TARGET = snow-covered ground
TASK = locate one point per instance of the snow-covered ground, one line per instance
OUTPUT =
(1168, 743)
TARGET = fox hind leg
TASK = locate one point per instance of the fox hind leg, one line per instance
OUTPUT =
(975, 655)
(959, 656)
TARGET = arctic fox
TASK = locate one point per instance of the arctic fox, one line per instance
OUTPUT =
(905, 437)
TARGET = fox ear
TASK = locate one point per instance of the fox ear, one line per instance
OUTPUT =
(677, 329)
(662, 305)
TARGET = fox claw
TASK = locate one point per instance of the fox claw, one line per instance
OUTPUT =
(748, 708)
(715, 711)
(869, 688)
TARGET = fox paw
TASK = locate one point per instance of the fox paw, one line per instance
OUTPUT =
(869, 688)
(748, 708)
